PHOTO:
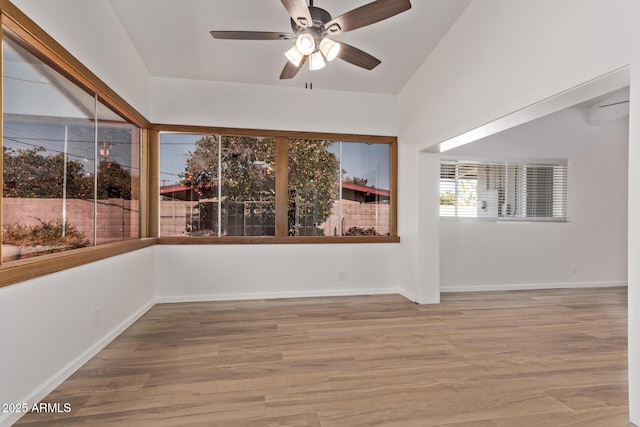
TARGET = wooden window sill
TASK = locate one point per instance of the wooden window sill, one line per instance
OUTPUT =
(248, 240)
(12, 272)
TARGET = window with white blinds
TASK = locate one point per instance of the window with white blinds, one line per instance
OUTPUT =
(504, 191)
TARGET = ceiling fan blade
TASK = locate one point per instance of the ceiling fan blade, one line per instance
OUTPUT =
(289, 71)
(366, 15)
(357, 57)
(299, 12)
(251, 35)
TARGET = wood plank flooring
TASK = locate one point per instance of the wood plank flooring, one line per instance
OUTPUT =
(489, 359)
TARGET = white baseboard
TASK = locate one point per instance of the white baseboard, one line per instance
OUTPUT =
(531, 286)
(272, 295)
(407, 295)
(59, 377)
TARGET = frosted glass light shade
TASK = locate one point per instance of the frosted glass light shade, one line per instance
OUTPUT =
(294, 56)
(306, 43)
(316, 61)
(329, 49)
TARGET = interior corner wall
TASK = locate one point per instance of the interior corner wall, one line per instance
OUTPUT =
(235, 272)
(588, 251)
(92, 32)
(47, 324)
(267, 271)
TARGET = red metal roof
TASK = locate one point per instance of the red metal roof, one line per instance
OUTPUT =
(173, 188)
(365, 189)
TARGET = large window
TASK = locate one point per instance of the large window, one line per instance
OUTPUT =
(70, 164)
(221, 185)
(516, 191)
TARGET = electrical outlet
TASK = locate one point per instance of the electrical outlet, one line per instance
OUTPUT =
(573, 270)
(95, 316)
(342, 276)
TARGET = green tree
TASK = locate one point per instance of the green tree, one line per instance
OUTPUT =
(248, 184)
(447, 199)
(31, 174)
(247, 168)
(114, 181)
(356, 180)
(314, 174)
(248, 174)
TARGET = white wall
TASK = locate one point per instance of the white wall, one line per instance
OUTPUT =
(207, 103)
(499, 57)
(225, 272)
(481, 255)
(46, 324)
(634, 231)
(92, 32)
(502, 55)
(495, 60)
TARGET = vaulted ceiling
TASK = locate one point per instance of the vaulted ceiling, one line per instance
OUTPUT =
(172, 38)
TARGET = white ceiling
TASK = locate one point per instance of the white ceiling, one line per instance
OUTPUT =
(172, 38)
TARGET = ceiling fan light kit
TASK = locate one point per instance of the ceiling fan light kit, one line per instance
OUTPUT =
(294, 56)
(316, 61)
(329, 49)
(306, 43)
(311, 25)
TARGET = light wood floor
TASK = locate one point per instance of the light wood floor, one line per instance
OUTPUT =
(492, 359)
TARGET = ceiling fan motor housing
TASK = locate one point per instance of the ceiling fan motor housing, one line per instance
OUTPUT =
(320, 17)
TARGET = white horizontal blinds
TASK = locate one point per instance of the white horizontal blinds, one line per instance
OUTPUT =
(503, 190)
(560, 185)
(458, 189)
(448, 189)
(544, 193)
(492, 194)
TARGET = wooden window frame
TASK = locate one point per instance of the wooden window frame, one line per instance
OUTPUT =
(282, 139)
(50, 51)
(38, 42)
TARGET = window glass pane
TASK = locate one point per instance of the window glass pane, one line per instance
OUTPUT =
(248, 186)
(48, 158)
(503, 190)
(314, 176)
(188, 185)
(538, 191)
(365, 191)
(118, 182)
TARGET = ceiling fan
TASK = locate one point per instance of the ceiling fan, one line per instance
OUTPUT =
(311, 27)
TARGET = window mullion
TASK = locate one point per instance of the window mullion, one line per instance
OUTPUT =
(282, 186)
(219, 178)
(95, 171)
